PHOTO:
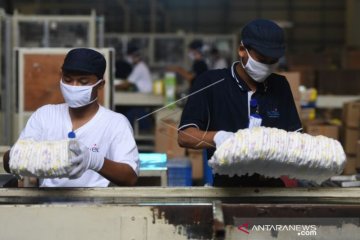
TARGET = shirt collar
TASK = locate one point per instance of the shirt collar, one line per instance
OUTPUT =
(261, 87)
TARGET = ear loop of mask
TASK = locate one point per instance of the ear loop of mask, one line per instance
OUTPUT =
(99, 81)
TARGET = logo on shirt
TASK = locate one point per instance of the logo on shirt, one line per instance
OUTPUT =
(94, 148)
(273, 113)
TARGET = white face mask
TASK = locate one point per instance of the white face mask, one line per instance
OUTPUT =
(191, 55)
(77, 96)
(129, 59)
(257, 70)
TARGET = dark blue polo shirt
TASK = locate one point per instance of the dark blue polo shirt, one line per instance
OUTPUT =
(219, 101)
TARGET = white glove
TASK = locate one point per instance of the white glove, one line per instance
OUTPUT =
(221, 136)
(83, 160)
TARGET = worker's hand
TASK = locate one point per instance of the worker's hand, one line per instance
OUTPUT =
(172, 68)
(221, 136)
(83, 160)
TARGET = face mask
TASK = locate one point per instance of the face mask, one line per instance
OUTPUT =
(77, 96)
(257, 70)
(191, 55)
(130, 60)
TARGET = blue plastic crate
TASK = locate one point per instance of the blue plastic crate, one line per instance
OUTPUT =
(179, 172)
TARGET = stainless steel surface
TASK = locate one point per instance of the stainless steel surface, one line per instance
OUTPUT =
(174, 213)
(218, 221)
(140, 195)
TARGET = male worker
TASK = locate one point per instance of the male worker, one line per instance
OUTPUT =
(216, 60)
(140, 77)
(140, 81)
(196, 55)
(106, 151)
(247, 94)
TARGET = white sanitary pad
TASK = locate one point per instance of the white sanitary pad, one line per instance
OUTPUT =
(45, 159)
(273, 153)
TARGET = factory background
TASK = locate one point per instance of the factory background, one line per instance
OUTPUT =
(322, 65)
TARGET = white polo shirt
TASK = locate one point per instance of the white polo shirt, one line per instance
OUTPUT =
(141, 77)
(108, 133)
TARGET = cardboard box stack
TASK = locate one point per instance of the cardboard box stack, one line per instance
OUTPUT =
(350, 135)
(294, 82)
(166, 139)
(338, 82)
(357, 162)
(316, 128)
(351, 59)
(196, 158)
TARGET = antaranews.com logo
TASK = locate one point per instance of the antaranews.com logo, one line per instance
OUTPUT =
(300, 230)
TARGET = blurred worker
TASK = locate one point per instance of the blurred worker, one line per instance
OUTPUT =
(105, 151)
(122, 69)
(140, 77)
(216, 60)
(199, 65)
(247, 94)
(139, 80)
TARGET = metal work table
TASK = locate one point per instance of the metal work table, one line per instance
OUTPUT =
(176, 213)
(150, 195)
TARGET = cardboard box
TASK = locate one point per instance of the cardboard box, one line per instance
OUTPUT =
(196, 157)
(351, 59)
(294, 81)
(351, 114)
(350, 166)
(358, 155)
(326, 130)
(338, 82)
(166, 139)
(350, 139)
(307, 75)
(307, 114)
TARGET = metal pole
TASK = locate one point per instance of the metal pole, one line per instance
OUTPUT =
(9, 93)
(100, 31)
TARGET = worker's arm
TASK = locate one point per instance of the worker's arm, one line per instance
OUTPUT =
(6, 159)
(116, 172)
(125, 85)
(119, 173)
(189, 76)
(192, 137)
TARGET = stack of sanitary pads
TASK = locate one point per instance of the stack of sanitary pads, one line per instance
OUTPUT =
(273, 153)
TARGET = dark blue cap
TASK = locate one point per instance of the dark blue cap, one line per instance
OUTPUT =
(85, 60)
(265, 37)
(196, 45)
(132, 48)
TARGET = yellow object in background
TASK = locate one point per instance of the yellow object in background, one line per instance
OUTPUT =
(307, 114)
(158, 87)
(313, 94)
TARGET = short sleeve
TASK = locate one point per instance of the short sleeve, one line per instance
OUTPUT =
(135, 75)
(123, 147)
(293, 120)
(33, 128)
(196, 111)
